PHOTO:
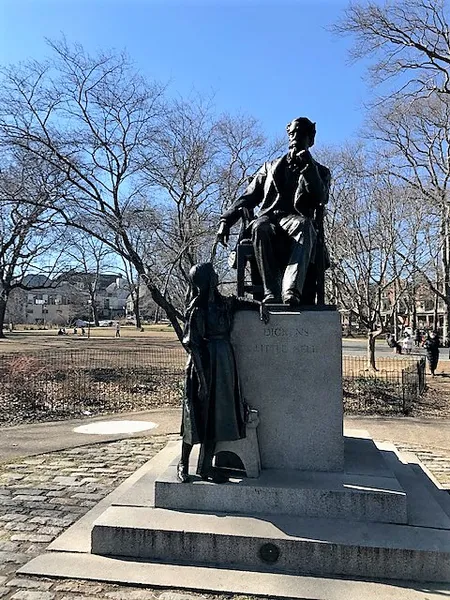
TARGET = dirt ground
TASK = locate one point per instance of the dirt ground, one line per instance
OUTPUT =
(100, 337)
(436, 400)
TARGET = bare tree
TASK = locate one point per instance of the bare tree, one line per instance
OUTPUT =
(92, 119)
(365, 227)
(416, 140)
(135, 288)
(27, 240)
(140, 174)
(87, 258)
(408, 41)
(200, 164)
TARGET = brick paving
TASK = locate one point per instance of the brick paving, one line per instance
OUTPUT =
(41, 496)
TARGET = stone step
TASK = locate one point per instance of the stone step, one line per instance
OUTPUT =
(294, 545)
(424, 507)
(77, 565)
(297, 493)
(441, 495)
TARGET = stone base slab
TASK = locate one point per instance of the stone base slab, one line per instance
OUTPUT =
(322, 495)
(73, 565)
(69, 555)
(367, 490)
(416, 549)
(324, 547)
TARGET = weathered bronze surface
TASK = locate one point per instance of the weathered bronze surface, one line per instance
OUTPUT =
(213, 410)
(287, 234)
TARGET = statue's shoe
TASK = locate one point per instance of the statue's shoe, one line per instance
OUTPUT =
(215, 476)
(182, 472)
(271, 299)
(291, 298)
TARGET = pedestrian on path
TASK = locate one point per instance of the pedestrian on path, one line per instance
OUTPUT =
(418, 338)
(407, 344)
(431, 344)
(117, 330)
(392, 343)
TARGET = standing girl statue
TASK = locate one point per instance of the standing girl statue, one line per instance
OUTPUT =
(213, 408)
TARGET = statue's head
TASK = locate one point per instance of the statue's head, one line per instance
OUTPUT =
(301, 132)
(203, 279)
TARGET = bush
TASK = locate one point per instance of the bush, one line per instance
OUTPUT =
(372, 394)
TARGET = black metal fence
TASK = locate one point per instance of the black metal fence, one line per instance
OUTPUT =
(391, 389)
(70, 383)
(74, 382)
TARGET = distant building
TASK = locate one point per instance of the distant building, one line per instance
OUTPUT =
(66, 298)
(419, 310)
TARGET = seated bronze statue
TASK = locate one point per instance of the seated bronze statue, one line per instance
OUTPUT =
(287, 234)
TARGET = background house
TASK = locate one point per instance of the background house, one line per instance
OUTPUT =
(68, 297)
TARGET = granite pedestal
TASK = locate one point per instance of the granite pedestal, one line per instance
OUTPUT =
(291, 371)
(396, 530)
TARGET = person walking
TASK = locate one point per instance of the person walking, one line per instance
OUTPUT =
(431, 344)
(392, 343)
(418, 338)
(117, 329)
(407, 344)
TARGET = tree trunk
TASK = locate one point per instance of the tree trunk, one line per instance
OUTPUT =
(446, 333)
(136, 297)
(172, 313)
(395, 301)
(445, 258)
(350, 323)
(371, 338)
(2, 316)
(395, 320)
(435, 313)
(137, 310)
(95, 314)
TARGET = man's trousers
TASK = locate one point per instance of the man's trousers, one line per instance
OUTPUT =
(284, 246)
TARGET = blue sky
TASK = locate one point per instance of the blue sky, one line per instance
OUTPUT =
(273, 59)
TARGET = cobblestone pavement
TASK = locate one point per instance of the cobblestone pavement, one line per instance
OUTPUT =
(437, 461)
(43, 495)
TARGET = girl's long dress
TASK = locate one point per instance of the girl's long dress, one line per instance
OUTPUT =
(221, 416)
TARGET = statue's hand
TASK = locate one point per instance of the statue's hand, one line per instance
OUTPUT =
(223, 234)
(302, 158)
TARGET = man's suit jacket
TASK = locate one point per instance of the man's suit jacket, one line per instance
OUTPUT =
(266, 189)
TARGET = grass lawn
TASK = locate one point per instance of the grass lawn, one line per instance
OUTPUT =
(148, 370)
(100, 337)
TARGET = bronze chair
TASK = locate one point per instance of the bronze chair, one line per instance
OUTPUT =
(244, 255)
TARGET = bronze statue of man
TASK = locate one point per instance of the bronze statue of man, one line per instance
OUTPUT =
(287, 234)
